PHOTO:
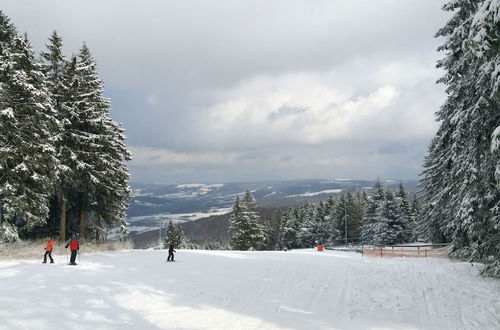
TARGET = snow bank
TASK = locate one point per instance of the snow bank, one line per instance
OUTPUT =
(300, 289)
(33, 249)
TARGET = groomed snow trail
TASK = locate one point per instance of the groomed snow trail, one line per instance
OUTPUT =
(301, 289)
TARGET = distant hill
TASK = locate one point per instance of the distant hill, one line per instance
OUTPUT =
(211, 229)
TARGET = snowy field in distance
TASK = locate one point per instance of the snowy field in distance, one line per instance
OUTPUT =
(317, 193)
(164, 218)
(301, 289)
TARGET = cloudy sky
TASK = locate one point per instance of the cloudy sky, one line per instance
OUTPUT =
(230, 90)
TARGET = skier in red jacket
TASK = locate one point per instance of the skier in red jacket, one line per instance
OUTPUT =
(48, 251)
(74, 246)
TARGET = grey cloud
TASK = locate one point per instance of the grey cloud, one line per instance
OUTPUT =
(285, 111)
(393, 148)
(286, 158)
(253, 156)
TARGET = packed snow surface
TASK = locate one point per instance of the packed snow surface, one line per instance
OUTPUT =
(301, 289)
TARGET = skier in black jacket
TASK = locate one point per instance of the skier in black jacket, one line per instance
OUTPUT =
(171, 252)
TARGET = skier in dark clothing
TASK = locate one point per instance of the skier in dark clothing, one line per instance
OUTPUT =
(48, 251)
(74, 246)
(171, 252)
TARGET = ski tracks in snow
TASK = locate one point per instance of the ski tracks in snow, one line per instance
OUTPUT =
(301, 289)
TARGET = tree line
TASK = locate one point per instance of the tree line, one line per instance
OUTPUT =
(62, 157)
(380, 217)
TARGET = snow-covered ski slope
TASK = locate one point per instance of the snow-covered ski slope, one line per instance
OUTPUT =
(301, 289)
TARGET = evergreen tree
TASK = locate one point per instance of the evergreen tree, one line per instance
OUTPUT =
(7, 34)
(174, 235)
(8, 231)
(415, 210)
(406, 213)
(307, 226)
(346, 211)
(170, 235)
(244, 228)
(321, 226)
(290, 228)
(269, 232)
(235, 225)
(54, 66)
(181, 238)
(461, 197)
(28, 127)
(255, 232)
(403, 200)
(95, 150)
(371, 216)
(390, 226)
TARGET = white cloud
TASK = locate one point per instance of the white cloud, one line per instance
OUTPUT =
(381, 104)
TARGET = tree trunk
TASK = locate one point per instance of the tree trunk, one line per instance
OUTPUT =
(83, 223)
(62, 218)
(97, 235)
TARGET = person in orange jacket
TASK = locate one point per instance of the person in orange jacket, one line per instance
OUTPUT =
(48, 251)
(74, 246)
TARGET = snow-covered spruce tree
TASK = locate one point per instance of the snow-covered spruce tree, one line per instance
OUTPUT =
(289, 230)
(321, 226)
(358, 207)
(8, 232)
(406, 213)
(389, 226)
(181, 238)
(415, 209)
(174, 235)
(438, 208)
(170, 235)
(370, 217)
(244, 228)
(236, 222)
(55, 67)
(270, 233)
(307, 225)
(95, 150)
(27, 129)
(484, 43)
(346, 210)
(256, 232)
(402, 197)
(461, 196)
